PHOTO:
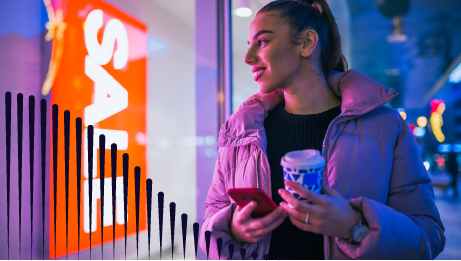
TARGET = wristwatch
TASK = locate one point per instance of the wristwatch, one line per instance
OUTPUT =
(361, 230)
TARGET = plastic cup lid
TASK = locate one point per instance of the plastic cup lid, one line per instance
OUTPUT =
(303, 158)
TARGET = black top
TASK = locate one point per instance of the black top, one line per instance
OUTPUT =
(287, 132)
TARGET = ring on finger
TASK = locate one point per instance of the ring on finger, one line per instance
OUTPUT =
(307, 218)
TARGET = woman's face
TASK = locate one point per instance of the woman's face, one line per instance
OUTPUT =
(274, 59)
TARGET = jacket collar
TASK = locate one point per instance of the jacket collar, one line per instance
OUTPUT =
(359, 94)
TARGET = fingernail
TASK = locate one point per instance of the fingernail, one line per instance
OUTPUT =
(280, 191)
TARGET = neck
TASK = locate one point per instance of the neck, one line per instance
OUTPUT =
(309, 94)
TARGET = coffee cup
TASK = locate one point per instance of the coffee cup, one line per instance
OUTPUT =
(304, 167)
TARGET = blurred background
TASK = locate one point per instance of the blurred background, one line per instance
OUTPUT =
(177, 78)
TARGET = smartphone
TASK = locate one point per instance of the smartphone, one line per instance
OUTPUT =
(243, 196)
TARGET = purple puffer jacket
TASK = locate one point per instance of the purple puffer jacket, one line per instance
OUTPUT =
(372, 159)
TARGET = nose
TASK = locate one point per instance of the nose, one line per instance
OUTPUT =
(250, 57)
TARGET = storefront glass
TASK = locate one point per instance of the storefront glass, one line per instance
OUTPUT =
(127, 68)
(243, 84)
(170, 115)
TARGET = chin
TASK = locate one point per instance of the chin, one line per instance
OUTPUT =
(265, 88)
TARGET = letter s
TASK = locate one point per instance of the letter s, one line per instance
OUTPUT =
(115, 30)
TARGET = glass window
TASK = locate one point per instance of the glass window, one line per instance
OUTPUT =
(243, 84)
(170, 114)
(126, 67)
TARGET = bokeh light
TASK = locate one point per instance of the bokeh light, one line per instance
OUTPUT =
(440, 161)
(427, 165)
(403, 114)
(243, 12)
(419, 132)
(422, 121)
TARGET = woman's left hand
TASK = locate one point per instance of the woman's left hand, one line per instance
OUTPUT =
(329, 214)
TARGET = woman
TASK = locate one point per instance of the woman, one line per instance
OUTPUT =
(374, 176)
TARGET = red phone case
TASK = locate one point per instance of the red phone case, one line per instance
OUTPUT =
(243, 196)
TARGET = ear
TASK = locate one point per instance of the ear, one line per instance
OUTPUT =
(310, 40)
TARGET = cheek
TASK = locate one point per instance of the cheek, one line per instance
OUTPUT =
(282, 65)
(282, 62)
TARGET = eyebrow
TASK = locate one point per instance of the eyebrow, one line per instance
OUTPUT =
(260, 33)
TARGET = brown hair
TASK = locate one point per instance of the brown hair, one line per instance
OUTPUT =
(302, 15)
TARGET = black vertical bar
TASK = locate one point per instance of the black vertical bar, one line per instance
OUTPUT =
(149, 210)
(219, 244)
(231, 250)
(184, 232)
(102, 166)
(125, 191)
(78, 159)
(172, 223)
(137, 185)
(160, 196)
(196, 231)
(8, 159)
(113, 151)
(55, 166)
(20, 122)
(207, 241)
(90, 139)
(43, 152)
(31, 165)
(66, 163)
(243, 252)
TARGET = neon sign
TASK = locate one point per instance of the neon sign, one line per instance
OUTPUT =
(102, 79)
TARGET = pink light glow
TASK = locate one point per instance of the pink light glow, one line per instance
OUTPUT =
(440, 161)
(435, 104)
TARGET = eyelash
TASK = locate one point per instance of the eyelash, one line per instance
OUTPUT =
(260, 41)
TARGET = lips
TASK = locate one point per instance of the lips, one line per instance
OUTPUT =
(258, 72)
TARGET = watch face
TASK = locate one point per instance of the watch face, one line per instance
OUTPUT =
(360, 233)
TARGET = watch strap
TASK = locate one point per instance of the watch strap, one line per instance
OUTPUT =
(363, 220)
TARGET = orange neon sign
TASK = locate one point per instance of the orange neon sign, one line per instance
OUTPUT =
(102, 79)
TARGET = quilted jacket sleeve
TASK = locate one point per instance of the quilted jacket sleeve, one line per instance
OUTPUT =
(218, 217)
(409, 225)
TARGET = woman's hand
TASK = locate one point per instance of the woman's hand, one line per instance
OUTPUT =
(329, 214)
(246, 229)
